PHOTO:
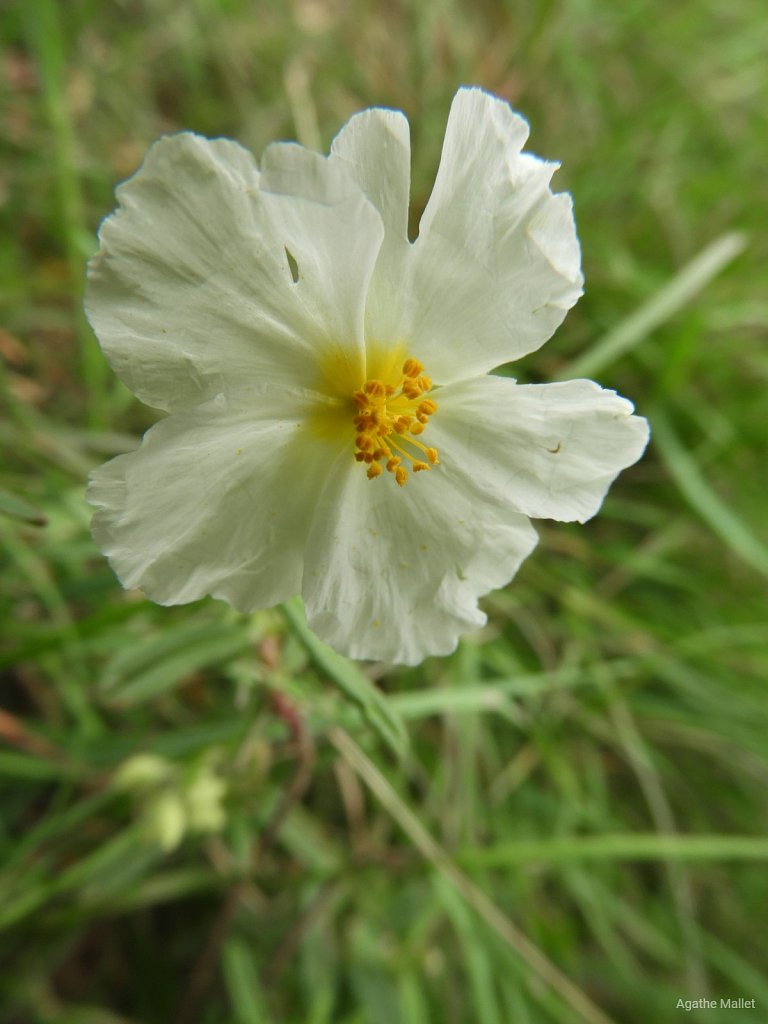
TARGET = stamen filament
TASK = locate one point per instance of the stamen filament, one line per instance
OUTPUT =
(388, 419)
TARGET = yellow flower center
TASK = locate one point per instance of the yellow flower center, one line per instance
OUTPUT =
(388, 420)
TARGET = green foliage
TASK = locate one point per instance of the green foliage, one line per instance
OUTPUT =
(210, 819)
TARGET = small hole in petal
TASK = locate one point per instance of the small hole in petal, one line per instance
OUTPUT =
(293, 266)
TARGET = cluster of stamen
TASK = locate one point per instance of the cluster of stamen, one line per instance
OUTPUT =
(388, 421)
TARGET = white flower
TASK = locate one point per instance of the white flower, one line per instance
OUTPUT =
(332, 430)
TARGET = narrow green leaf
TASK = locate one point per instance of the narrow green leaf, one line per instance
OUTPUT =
(310, 842)
(377, 709)
(659, 308)
(112, 865)
(746, 977)
(57, 825)
(243, 985)
(414, 1001)
(144, 671)
(537, 961)
(700, 496)
(167, 887)
(19, 508)
(477, 956)
(22, 902)
(633, 846)
(29, 767)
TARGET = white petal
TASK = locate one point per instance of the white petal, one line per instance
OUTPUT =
(394, 574)
(497, 261)
(190, 291)
(325, 221)
(550, 450)
(216, 501)
(374, 147)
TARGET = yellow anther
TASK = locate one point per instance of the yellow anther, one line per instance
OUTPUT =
(388, 417)
(412, 368)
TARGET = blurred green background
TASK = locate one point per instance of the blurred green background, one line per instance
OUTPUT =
(210, 819)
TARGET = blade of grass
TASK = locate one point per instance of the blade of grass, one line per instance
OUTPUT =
(378, 709)
(144, 672)
(19, 508)
(659, 308)
(243, 986)
(547, 972)
(702, 499)
(74, 676)
(478, 964)
(413, 1000)
(746, 977)
(680, 887)
(634, 846)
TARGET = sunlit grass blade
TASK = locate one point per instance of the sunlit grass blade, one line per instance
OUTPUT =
(635, 846)
(668, 301)
(703, 499)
